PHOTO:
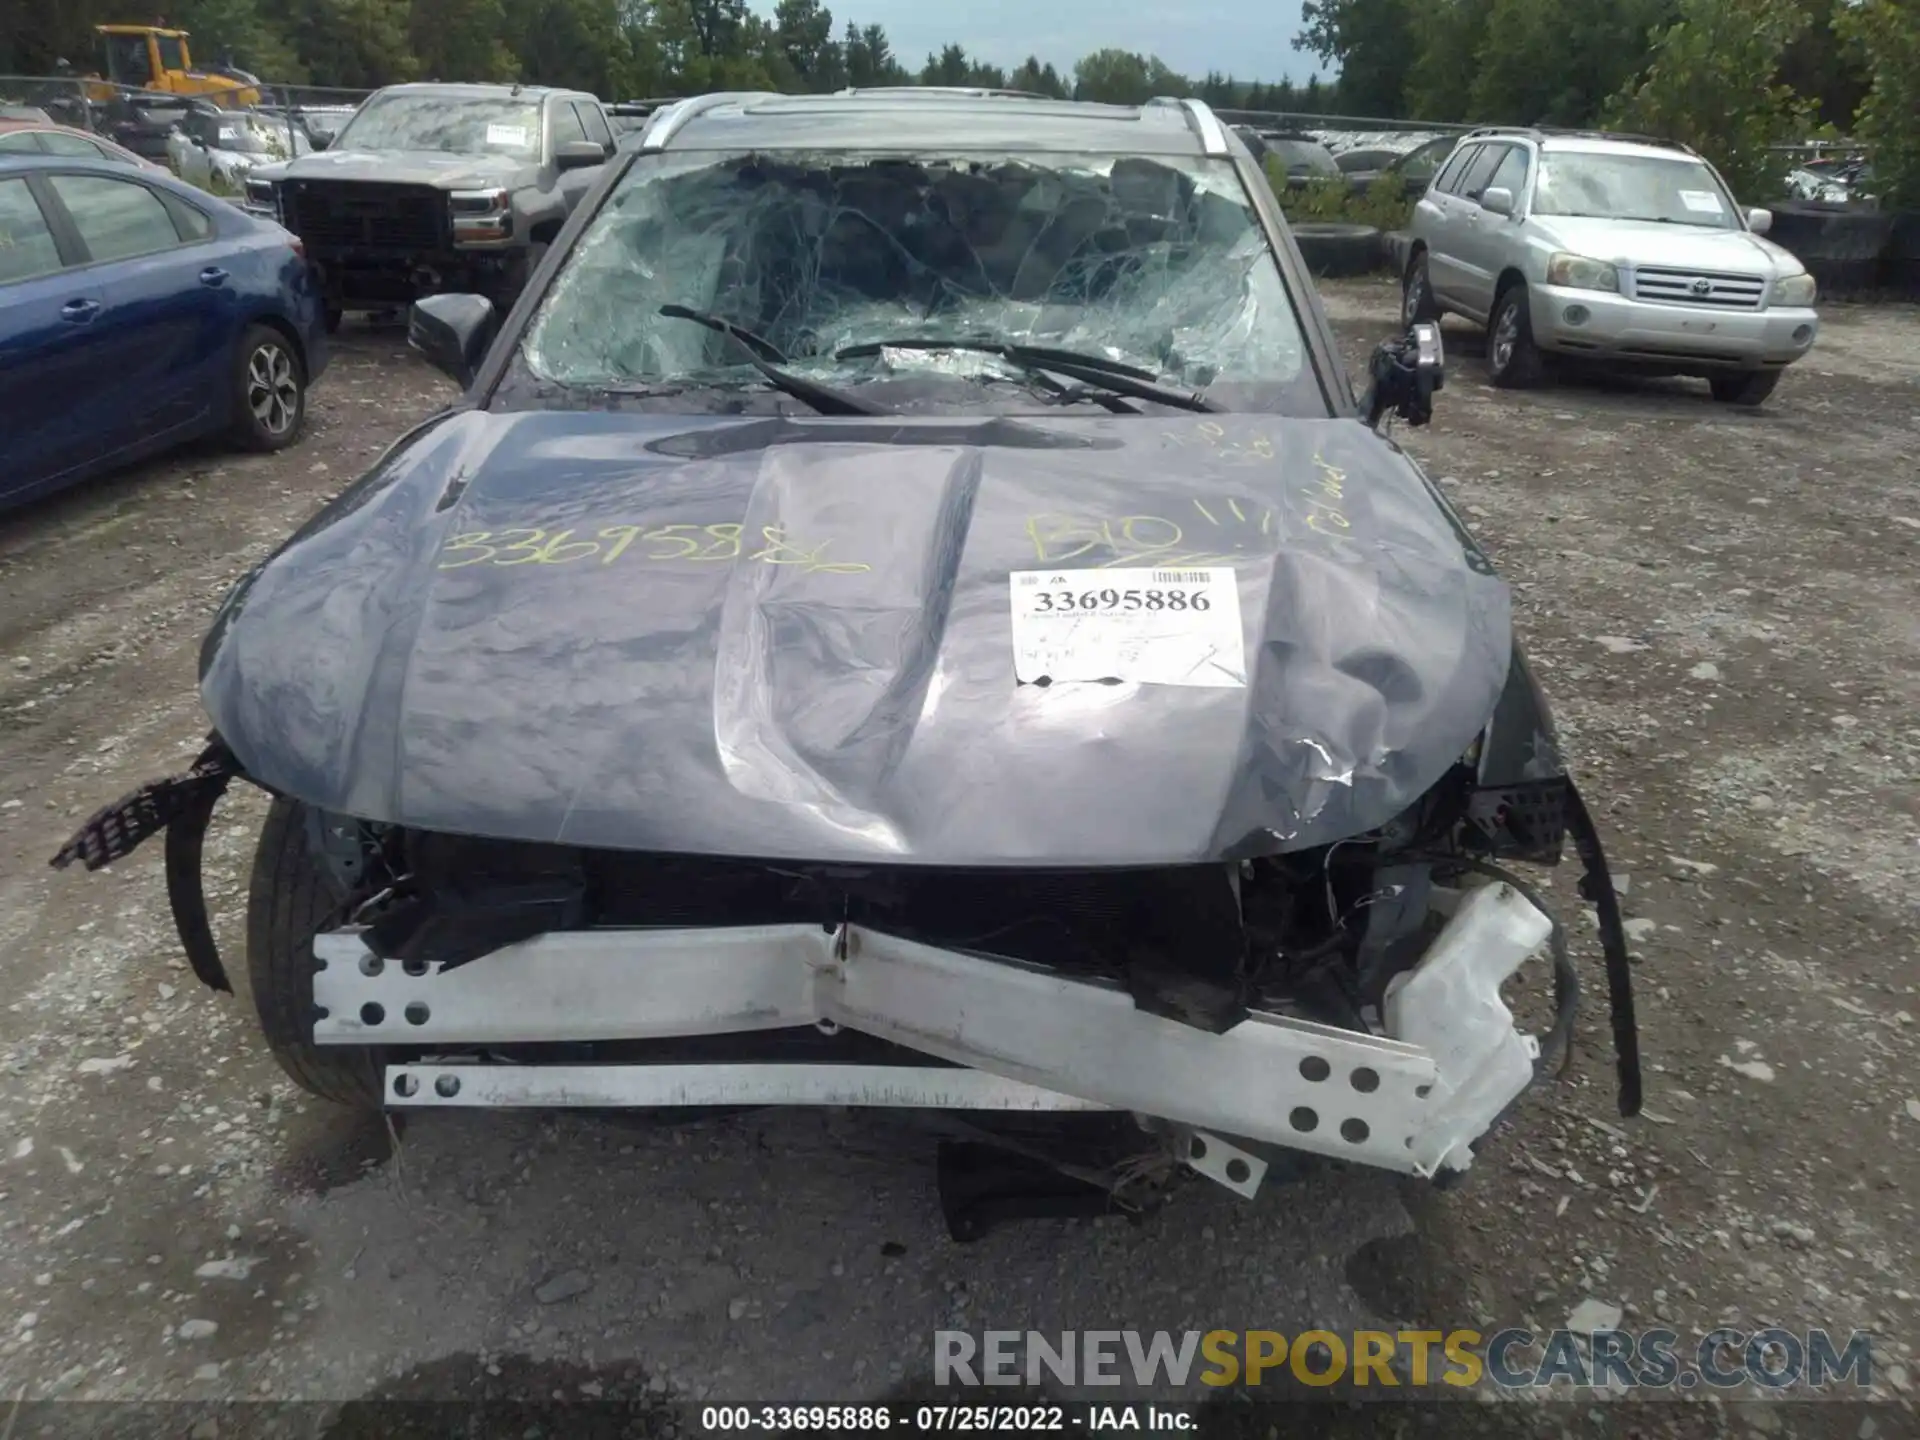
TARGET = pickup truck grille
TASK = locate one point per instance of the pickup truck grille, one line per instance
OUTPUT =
(1710, 288)
(339, 214)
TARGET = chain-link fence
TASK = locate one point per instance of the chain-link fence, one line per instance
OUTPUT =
(141, 119)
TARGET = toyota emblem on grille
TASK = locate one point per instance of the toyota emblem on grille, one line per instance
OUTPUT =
(1703, 287)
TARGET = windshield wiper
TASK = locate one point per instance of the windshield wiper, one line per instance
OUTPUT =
(1096, 371)
(762, 354)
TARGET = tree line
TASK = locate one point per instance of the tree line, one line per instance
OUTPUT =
(618, 49)
(1730, 77)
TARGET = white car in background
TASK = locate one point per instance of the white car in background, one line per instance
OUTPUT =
(215, 149)
(1608, 248)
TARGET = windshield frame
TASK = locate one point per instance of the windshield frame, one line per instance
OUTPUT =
(504, 380)
(343, 137)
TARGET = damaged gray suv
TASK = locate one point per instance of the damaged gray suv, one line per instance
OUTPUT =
(908, 611)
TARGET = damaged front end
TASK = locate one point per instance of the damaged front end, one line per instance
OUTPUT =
(1344, 1001)
(1126, 776)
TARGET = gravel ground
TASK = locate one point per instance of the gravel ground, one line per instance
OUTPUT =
(1721, 604)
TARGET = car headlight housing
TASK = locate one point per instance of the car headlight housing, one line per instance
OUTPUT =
(1796, 291)
(1577, 272)
(480, 216)
(262, 196)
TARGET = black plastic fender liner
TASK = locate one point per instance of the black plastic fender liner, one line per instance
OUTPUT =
(181, 805)
(186, 893)
(1596, 885)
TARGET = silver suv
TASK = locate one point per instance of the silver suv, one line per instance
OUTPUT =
(1614, 248)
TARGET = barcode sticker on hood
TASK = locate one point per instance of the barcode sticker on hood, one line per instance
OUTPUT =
(1152, 627)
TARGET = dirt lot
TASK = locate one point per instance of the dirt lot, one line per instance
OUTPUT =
(1723, 606)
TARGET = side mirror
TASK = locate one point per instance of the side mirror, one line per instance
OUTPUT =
(1405, 374)
(320, 141)
(453, 333)
(1759, 221)
(578, 154)
(1497, 201)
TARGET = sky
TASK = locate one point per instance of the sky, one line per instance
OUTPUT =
(1249, 39)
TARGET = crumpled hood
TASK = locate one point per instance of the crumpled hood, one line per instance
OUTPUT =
(794, 638)
(411, 167)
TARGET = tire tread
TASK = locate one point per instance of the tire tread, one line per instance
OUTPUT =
(288, 898)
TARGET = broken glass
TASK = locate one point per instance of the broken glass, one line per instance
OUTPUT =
(1157, 263)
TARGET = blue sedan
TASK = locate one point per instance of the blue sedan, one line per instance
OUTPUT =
(137, 312)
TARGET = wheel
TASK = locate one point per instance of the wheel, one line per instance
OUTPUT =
(1512, 358)
(289, 897)
(1416, 295)
(332, 316)
(1744, 387)
(269, 390)
(1335, 251)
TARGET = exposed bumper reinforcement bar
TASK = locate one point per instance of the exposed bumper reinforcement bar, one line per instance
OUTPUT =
(941, 1087)
(1411, 1104)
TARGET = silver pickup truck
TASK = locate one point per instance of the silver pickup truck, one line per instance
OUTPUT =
(432, 188)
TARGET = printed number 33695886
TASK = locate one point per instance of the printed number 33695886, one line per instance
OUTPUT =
(1062, 601)
(662, 543)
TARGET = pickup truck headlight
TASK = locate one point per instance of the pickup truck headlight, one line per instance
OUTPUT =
(1577, 272)
(480, 216)
(261, 196)
(1796, 291)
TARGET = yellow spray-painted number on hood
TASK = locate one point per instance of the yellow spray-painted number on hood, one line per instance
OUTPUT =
(658, 544)
(1210, 530)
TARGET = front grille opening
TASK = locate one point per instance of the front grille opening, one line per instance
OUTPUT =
(1711, 289)
(338, 215)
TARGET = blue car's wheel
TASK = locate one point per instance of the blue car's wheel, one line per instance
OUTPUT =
(270, 390)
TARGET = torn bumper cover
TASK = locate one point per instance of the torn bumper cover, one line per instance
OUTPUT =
(181, 805)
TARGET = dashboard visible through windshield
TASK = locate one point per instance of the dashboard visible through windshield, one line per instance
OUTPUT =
(850, 269)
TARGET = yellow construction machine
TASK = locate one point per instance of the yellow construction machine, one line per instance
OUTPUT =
(155, 58)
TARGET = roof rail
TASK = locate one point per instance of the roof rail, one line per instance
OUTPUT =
(1201, 120)
(981, 91)
(1542, 132)
(669, 119)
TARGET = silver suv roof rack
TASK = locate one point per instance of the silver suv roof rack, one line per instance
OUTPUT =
(978, 91)
(1201, 120)
(671, 118)
(1545, 132)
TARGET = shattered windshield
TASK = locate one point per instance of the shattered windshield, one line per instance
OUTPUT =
(1159, 264)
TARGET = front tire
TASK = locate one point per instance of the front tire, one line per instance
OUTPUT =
(1513, 360)
(1749, 388)
(269, 391)
(1417, 305)
(291, 896)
